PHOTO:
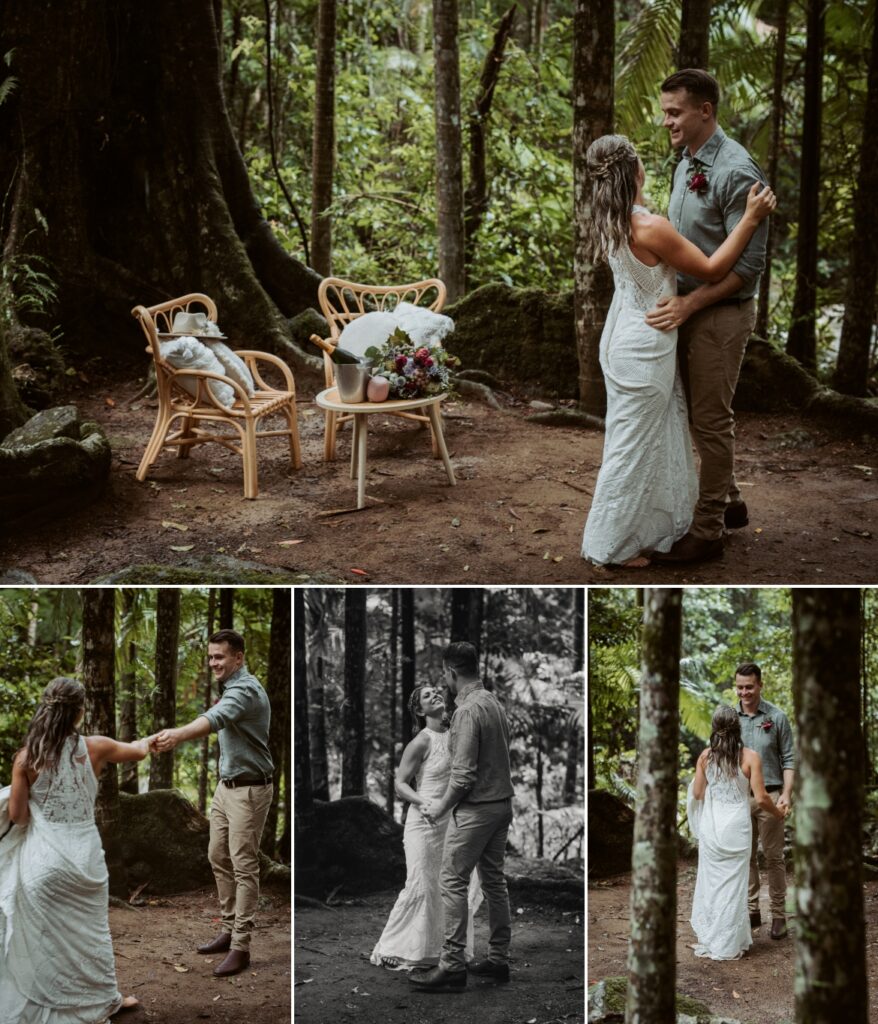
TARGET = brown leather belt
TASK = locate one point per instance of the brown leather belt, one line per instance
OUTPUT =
(235, 783)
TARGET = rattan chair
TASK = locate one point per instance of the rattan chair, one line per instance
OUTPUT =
(343, 301)
(201, 414)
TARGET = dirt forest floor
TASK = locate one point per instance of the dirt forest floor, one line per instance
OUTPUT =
(516, 514)
(757, 988)
(156, 961)
(334, 980)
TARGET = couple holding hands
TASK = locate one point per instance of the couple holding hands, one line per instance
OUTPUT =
(56, 951)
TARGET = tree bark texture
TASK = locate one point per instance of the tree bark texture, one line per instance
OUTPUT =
(278, 689)
(852, 370)
(594, 42)
(315, 660)
(574, 732)
(323, 147)
(694, 49)
(227, 608)
(353, 759)
(652, 946)
(128, 694)
(467, 607)
(802, 338)
(407, 614)
(120, 144)
(393, 674)
(830, 934)
(777, 121)
(302, 792)
(476, 195)
(98, 678)
(207, 686)
(449, 149)
(164, 703)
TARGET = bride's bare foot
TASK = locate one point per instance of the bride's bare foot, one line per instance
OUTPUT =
(128, 1003)
(640, 562)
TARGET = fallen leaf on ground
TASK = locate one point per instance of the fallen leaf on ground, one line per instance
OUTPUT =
(181, 970)
(288, 543)
(359, 572)
(455, 521)
(182, 547)
(169, 524)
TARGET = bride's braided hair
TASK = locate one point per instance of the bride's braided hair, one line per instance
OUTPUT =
(726, 742)
(612, 167)
(53, 723)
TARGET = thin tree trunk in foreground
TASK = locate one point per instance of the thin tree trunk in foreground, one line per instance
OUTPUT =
(164, 715)
(830, 935)
(407, 612)
(128, 693)
(652, 947)
(353, 759)
(323, 148)
(277, 685)
(204, 771)
(694, 51)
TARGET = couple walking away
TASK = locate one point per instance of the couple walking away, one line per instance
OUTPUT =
(740, 795)
(455, 835)
(56, 952)
(647, 487)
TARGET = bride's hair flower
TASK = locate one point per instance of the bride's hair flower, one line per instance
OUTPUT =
(697, 180)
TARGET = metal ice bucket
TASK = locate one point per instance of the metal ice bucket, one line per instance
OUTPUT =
(352, 380)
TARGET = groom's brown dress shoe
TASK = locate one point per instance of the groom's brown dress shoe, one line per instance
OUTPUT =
(220, 944)
(489, 969)
(437, 979)
(237, 960)
(778, 928)
(691, 549)
(755, 919)
(735, 515)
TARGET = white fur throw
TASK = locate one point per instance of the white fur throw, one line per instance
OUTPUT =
(189, 354)
(367, 330)
(423, 326)
(233, 365)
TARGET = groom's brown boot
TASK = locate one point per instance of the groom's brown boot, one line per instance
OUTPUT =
(220, 944)
(495, 969)
(437, 979)
(691, 549)
(238, 960)
(778, 928)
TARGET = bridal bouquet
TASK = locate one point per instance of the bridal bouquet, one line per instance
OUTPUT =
(413, 372)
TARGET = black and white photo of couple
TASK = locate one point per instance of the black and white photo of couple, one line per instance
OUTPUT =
(474, 853)
(57, 956)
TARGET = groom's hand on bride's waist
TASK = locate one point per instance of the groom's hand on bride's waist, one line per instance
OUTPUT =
(670, 312)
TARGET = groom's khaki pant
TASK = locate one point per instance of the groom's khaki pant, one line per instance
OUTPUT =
(237, 818)
(476, 836)
(711, 345)
(770, 831)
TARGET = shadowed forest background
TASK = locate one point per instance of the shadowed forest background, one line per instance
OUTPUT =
(393, 141)
(660, 663)
(359, 654)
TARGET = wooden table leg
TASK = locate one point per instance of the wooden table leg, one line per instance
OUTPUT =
(436, 421)
(362, 422)
(355, 440)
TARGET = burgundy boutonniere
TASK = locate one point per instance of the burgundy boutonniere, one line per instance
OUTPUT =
(697, 180)
(767, 724)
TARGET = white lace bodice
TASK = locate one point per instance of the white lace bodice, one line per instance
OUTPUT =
(433, 775)
(638, 285)
(66, 794)
(727, 790)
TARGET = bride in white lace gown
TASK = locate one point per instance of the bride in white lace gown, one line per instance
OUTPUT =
(56, 953)
(415, 930)
(647, 488)
(718, 803)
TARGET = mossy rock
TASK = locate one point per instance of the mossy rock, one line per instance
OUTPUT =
(50, 464)
(216, 571)
(606, 1005)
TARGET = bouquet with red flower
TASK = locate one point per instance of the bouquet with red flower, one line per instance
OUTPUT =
(413, 372)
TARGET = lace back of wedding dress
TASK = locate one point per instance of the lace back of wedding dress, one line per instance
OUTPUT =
(727, 789)
(639, 285)
(66, 794)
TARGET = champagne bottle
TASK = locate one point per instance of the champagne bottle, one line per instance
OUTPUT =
(335, 352)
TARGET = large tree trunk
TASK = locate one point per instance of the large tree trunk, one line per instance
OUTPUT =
(128, 691)
(302, 792)
(207, 689)
(476, 195)
(323, 148)
(164, 704)
(227, 608)
(830, 934)
(852, 370)
(777, 119)
(278, 688)
(316, 641)
(467, 609)
(802, 339)
(652, 948)
(407, 596)
(574, 733)
(128, 179)
(98, 678)
(694, 50)
(449, 149)
(594, 42)
(353, 758)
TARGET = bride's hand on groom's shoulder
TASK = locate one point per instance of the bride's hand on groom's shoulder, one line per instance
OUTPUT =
(761, 201)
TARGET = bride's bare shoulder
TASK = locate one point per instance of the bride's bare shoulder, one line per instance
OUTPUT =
(647, 225)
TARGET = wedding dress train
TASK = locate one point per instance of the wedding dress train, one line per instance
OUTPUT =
(415, 930)
(56, 953)
(721, 824)
(647, 487)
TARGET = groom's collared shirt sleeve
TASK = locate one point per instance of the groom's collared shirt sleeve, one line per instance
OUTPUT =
(465, 758)
(242, 718)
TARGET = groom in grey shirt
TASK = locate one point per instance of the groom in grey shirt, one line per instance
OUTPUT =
(480, 793)
(708, 198)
